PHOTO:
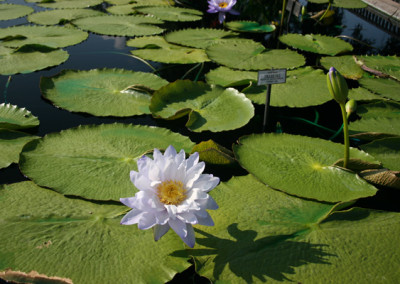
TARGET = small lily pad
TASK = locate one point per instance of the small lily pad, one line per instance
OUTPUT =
(228, 77)
(214, 154)
(386, 150)
(13, 117)
(102, 92)
(69, 4)
(12, 11)
(61, 16)
(387, 88)
(209, 107)
(120, 25)
(172, 14)
(251, 55)
(345, 64)
(302, 166)
(249, 27)
(316, 43)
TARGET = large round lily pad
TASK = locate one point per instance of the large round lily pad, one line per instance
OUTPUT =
(302, 166)
(94, 161)
(199, 38)
(120, 25)
(13, 117)
(316, 43)
(361, 94)
(12, 11)
(172, 14)
(156, 48)
(69, 4)
(249, 27)
(102, 92)
(79, 241)
(265, 236)
(386, 150)
(209, 107)
(61, 16)
(387, 88)
(50, 36)
(345, 64)
(251, 55)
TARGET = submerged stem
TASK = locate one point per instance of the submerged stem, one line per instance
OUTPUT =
(346, 136)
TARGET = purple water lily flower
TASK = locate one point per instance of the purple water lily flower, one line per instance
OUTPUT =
(222, 7)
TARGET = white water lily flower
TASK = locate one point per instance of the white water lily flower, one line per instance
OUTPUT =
(172, 194)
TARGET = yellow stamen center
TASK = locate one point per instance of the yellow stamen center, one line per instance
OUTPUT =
(171, 192)
(223, 5)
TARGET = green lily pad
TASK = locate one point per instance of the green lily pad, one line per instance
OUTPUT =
(102, 92)
(379, 109)
(199, 38)
(13, 117)
(345, 65)
(73, 238)
(249, 27)
(55, 37)
(349, 4)
(69, 4)
(361, 94)
(386, 150)
(120, 25)
(172, 14)
(251, 55)
(227, 77)
(214, 154)
(29, 58)
(265, 236)
(302, 166)
(94, 161)
(209, 107)
(61, 16)
(127, 9)
(12, 11)
(11, 144)
(389, 65)
(155, 48)
(142, 2)
(387, 88)
(381, 125)
(316, 43)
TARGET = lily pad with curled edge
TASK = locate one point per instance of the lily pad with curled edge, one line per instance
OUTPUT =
(266, 236)
(54, 37)
(250, 55)
(94, 161)
(214, 154)
(199, 38)
(156, 48)
(171, 14)
(302, 166)
(69, 4)
(345, 65)
(228, 77)
(361, 94)
(316, 43)
(389, 65)
(386, 150)
(13, 117)
(61, 16)
(102, 92)
(72, 238)
(29, 58)
(12, 11)
(11, 144)
(249, 27)
(387, 88)
(209, 107)
(120, 25)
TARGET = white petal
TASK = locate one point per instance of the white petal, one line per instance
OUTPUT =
(129, 201)
(180, 157)
(172, 210)
(132, 217)
(154, 172)
(179, 227)
(187, 217)
(159, 231)
(208, 203)
(192, 160)
(206, 182)
(141, 182)
(190, 239)
(170, 152)
(193, 174)
(143, 164)
(162, 217)
(146, 221)
(206, 221)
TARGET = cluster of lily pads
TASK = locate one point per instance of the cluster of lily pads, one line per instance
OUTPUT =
(290, 218)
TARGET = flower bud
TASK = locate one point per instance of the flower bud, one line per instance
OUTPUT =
(303, 11)
(351, 107)
(337, 86)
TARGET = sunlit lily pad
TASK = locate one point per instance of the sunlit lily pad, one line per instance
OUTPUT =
(29, 58)
(389, 65)
(11, 143)
(172, 14)
(13, 117)
(155, 48)
(50, 36)
(94, 161)
(350, 4)
(302, 166)
(265, 236)
(120, 25)
(141, 2)
(249, 27)
(102, 92)
(61, 16)
(122, 9)
(386, 150)
(12, 11)
(251, 55)
(345, 65)
(316, 43)
(69, 4)
(199, 38)
(228, 77)
(72, 238)
(387, 88)
(361, 94)
(209, 107)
